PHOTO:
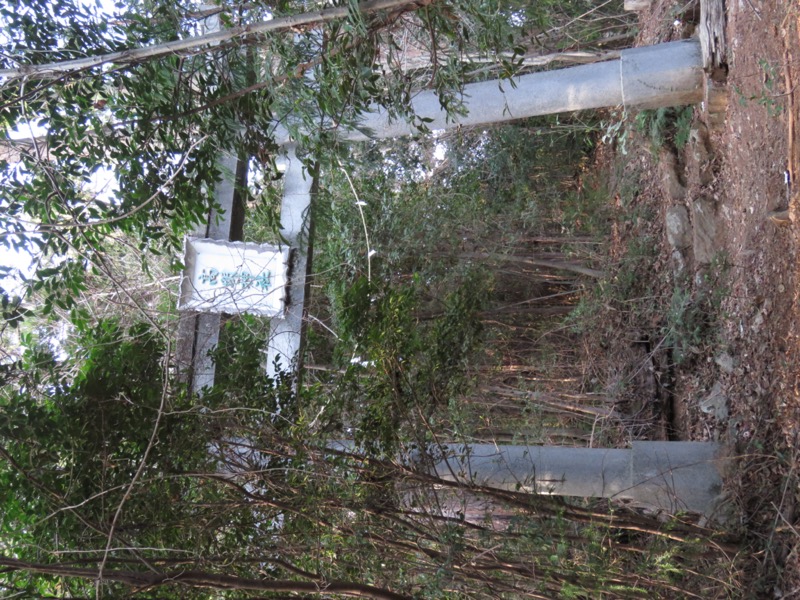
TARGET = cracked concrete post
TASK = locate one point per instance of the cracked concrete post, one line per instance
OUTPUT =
(668, 74)
(286, 333)
(668, 476)
(198, 333)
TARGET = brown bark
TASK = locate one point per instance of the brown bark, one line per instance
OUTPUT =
(534, 262)
(202, 42)
(217, 581)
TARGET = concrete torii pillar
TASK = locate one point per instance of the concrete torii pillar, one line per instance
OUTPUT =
(662, 75)
(286, 334)
(668, 476)
(668, 74)
(672, 477)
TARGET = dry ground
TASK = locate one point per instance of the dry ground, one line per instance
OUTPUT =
(744, 334)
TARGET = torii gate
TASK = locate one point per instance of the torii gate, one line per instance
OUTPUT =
(650, 77)
(664, 75)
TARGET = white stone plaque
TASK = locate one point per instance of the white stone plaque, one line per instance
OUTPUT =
(234, 277)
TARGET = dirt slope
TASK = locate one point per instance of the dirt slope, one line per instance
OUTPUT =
(730, 189)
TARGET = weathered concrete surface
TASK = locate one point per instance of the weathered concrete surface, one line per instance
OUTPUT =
(198, 333)
(286, 334)
(668, 476)
(677, 476)
(653, 76)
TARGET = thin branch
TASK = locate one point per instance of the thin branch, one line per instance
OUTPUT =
(159, 191)
(209, 40)
(139, 471)
(359, 204)
(203, 579)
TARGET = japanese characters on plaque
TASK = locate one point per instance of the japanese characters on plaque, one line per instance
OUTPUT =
(234, 277)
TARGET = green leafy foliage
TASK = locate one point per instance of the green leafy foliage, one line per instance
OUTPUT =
(106, 460)
(666, 125)
(156, 128)
(105, 438)
(401, 365)
(692, 317)
(399, 254)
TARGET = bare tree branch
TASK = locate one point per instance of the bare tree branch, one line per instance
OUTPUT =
(202, 579)
(133, 55)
